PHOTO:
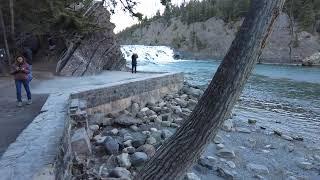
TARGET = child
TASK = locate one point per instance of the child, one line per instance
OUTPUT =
(20, 70)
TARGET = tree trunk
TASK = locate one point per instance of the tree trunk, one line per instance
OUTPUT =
(4, 34)
(180, 152)
(12, 20)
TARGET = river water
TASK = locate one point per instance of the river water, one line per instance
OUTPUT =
(287, 95)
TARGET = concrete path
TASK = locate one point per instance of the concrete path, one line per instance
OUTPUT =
(13, 119)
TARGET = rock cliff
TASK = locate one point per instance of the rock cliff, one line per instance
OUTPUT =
(212, 38)
(97, 51)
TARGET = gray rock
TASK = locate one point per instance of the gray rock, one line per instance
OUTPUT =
(166, 123)
(286, 137)
(191, 176)
(181, 102)
(138, 158)
(111, 145)
(120, 172)
(148, 149)
(123, 160)
(226, 153)
(94, 128)
(231, 164)
(139, 141)
(243, 130)
(151, 140)
(218, 139)
(150, 113)
(227, 125)
(257, 168)
(305, 165)
(166, 117)
(177, 109)
(252, 121)
(165, 134)
(153, 118)
(99, 139)
(207, 162)
(80, 142)
(114, 131)
(225, 174)
(192, 104)
(127, 120)
(174, 125)
(219, 146)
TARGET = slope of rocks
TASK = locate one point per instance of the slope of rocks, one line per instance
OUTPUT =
(120, 143)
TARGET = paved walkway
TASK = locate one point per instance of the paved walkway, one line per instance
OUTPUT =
(13, 119)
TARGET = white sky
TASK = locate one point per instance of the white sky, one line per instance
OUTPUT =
(146, 7)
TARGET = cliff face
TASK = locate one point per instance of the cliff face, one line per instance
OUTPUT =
(212, 38)
(97, 51)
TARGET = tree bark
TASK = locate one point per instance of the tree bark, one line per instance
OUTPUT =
(12, 20)
(4, 34)
(180, 152)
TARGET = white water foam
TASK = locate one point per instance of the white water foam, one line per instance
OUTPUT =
(149, 54)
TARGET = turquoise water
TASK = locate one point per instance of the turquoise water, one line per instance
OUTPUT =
(290, 94)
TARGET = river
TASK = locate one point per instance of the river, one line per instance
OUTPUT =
(289, 95)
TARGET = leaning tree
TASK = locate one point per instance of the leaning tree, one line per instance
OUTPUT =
(179, 152)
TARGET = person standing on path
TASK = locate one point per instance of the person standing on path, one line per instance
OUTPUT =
(27, 52)
(134, 58)
(20, 71)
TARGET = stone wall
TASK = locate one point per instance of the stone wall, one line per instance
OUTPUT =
(119, 96)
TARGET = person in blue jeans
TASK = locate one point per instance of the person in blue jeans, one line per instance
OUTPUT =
(20, 71)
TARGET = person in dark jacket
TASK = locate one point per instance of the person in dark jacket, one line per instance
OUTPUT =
(28, 53)
(20, 71)
(134, 58)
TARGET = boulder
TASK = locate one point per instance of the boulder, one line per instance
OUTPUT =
(207, 162)
(111, 145)
(227, 125)
(226, 153)
(127, 120)
(120, 172)
(165, 134)
(148, 149)
(138, 158)
(225, 174)
(258, 168)
(123, 160)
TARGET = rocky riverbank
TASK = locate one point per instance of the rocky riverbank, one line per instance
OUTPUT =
(116, 145)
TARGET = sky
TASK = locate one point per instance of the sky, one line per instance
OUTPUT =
(146, 7)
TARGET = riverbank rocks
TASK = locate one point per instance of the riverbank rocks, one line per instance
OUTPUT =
(111, 145)
(258, 168)
(191, 176)
(226, 153)
(207, 162)
(148, 149)
(123, 160)
(227, 125)
(120, 172)
(126, 120)
(305, 165)
(138, 158)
